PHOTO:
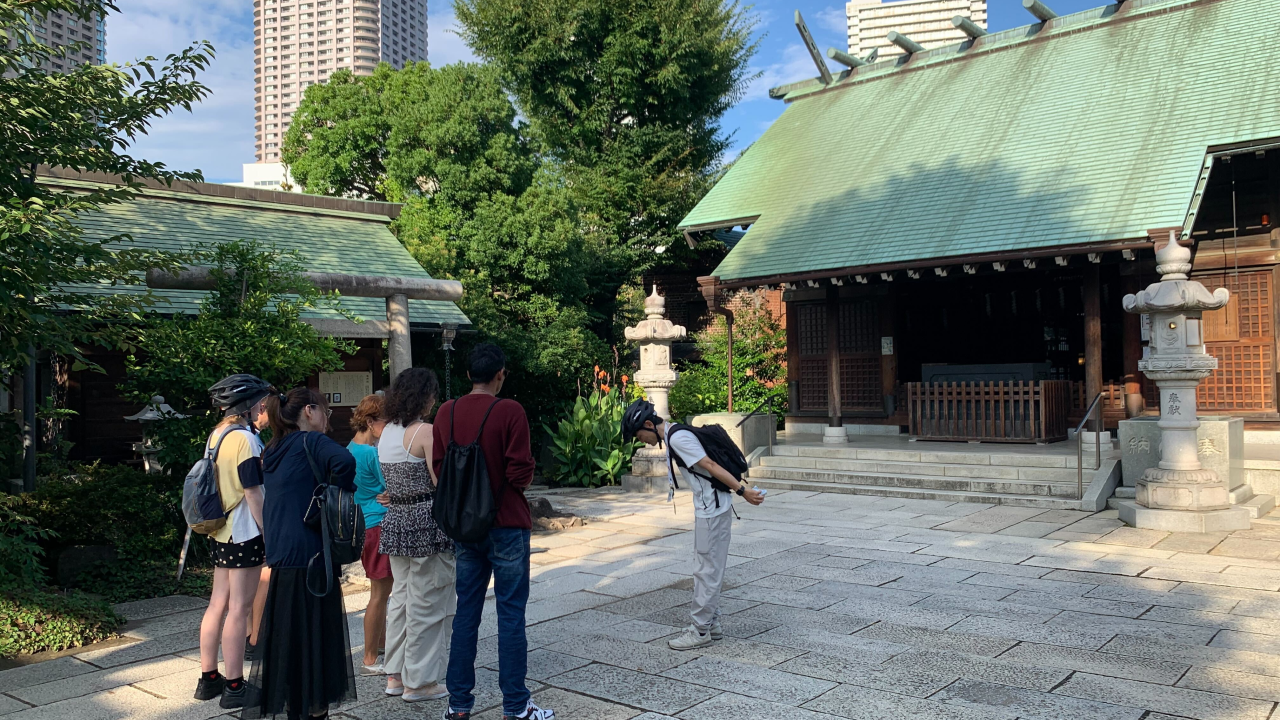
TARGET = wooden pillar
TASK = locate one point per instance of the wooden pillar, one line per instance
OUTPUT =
(1132, 353)
(1092, 334)
(833, 356)
(399, 350)
(793, 358)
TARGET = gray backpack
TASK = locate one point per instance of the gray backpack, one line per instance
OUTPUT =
(201, 501)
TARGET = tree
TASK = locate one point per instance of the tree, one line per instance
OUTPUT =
(84, 119)
(627, 97)
(759, 365)
(251, 322)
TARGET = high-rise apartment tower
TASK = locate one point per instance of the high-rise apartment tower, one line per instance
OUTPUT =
(59, 29)
(298, 43)
(927, 22)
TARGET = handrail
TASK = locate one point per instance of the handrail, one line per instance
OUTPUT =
(767, 401)
(1097, 445)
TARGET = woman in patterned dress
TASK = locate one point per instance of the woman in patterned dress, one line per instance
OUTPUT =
(423, 600)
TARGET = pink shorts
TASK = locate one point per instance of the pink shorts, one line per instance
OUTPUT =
(376, 565)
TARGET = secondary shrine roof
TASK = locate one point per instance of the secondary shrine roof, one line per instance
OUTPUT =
(1090, 128)
(329, 235)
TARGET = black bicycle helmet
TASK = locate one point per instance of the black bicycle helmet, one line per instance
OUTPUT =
(237, 394)
(634, 417)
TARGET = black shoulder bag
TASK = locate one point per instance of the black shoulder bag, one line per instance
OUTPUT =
(341, 522)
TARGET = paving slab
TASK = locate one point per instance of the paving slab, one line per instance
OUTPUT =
(1032, 703)
(864, 575)
(860, 703)
(1035, 584)
(991, 519)
(890, 677)
(1242, 660)
(1231, 682)
(155, 607)
(1178, 701)
(981, 645)
(1191, 542)
(858, 553)
(1172, 632)
(997, 568)
(1101, 577)
(649, 602)
(648, 692)
(1238, 577)
(1067, 636)
(735, 625)
(751, 680)
(44, 672)
(866, 592)
(729, 705)
(544, 664)
(1098, 663)
(978, 606)
(1095, 606)
(961, 665)
(850, 647)
(910, 615)
(835, 621)
(566, 705)
(1234, 640)
(784, 582)
(1189, 601)
(950, 589)
(1239, 623)
(790, 598)
(144, 650)
(640, 657)
(88, 683)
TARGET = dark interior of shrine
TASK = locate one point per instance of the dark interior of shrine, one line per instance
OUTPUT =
(1241, 198)
(996, 319)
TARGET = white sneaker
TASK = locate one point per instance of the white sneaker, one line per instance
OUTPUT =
(434, 691)
(691, 638)
(377, 668)
(394, 690)
(717, 633)
(533, 712)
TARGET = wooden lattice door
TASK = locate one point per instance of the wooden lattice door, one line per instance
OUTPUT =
(811, 334)
(858, 333)
(1242, 337)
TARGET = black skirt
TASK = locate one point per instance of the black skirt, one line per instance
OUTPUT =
(303, 664)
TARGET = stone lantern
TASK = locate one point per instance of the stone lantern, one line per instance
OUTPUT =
(655, 334)
(1179, 494)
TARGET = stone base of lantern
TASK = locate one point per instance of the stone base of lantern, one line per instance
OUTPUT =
(1201, 521)
(1194, 490)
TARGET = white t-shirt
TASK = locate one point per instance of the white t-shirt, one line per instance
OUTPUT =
(243, 526)
(685, 445)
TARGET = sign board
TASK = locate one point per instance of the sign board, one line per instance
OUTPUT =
(345, 389)
(886, 346)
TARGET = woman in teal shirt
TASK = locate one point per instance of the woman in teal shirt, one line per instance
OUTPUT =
(367, 422)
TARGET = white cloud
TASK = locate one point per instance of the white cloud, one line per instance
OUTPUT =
(795, 65)
(833, 19)
(217, 136)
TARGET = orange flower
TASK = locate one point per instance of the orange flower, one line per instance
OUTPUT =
(625, 379)
(749, 372)
(604, 389)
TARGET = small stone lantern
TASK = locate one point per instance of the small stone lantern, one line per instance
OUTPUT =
(655, 334)
(1179, 494)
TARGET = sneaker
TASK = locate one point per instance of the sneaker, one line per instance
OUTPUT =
(250, 651)
(210, 688)
(434, 691)
(377, 668)
(532, 712)
(234, 698)
(691, 638)
(717, 633)
(397, 689)
(451, 714)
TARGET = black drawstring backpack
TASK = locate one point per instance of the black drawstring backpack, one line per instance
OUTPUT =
(465, 508)
(341, 522)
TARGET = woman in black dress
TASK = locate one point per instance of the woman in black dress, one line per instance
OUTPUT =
(304, 652)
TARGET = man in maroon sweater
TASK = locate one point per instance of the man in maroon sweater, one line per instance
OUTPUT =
(503, 431)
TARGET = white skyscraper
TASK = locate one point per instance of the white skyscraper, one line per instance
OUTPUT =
(298, 43)
(927, 22)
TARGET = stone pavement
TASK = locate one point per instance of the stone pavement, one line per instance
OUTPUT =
(836, 606)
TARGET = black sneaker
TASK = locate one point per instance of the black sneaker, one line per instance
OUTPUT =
(234, 697)
(210, 688)
(449, 714)
(249, 651)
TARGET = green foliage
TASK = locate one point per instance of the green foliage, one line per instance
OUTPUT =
(589, 448)
(38, 620)
(251, 322)
(137, 513)
(124, 580)
(20, 549)
(759, 367)
(83, 119)
(625, 99)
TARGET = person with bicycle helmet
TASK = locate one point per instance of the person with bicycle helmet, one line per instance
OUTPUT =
(712, 520)
(237, 547)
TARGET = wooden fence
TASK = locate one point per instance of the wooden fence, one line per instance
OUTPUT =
(989, 411)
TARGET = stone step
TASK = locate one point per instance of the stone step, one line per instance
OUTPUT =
(919, 482)
(884, 467)
(1036, 501)
(945, 457)
(1259, 505)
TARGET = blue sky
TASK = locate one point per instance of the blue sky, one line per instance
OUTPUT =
(218, 136)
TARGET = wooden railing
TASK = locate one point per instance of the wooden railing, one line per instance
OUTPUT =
(989, 411)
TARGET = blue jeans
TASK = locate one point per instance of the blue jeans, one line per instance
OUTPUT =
(505, 556)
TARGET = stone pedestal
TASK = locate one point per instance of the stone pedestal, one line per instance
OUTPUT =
(835, 435)
(1219, 445)
(655, 334)
(755, 432)
(648, 472)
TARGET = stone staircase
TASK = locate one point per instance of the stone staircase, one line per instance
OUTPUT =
(999, 475)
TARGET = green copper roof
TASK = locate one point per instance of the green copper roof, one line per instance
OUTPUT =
(325, 240)
(1092, 128)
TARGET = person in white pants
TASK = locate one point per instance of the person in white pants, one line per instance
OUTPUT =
(713, 523)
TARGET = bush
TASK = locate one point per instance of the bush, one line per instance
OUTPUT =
(20, 550)
(589, 448)
(759, 367)
(126, 580)
(37, 620)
